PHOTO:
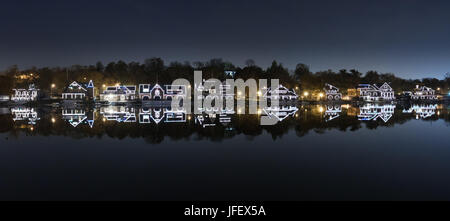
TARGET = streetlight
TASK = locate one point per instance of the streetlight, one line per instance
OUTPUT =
(51, 89)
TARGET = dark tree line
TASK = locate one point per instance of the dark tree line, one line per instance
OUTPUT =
(155, 70)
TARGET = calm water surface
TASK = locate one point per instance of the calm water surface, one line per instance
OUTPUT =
(317, 152)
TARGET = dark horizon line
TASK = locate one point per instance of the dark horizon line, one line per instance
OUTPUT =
(191, 63)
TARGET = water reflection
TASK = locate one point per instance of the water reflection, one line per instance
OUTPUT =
(78, 116)
(156, 115)
(280, 112)
(119, 114)
(28, 114)
(370, 111)
(332, 112)
(422, 110)
(157, 123)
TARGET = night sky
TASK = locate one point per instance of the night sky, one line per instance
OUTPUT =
(409, 38)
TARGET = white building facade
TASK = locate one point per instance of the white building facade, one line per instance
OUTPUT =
(371, 92)
(30, 94)
(280, 93)
(332, 93)
(424, 93)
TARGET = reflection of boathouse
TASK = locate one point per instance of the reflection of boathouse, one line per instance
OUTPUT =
(205, 120)
(175, 115)
(170, 115)
(280, 112)
(118, 113)
(422, 110)
(76, 117)
(375, 111)
(146, 115)
(25, 114)
(332, 112)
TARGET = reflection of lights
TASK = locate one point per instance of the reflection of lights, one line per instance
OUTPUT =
(104, 85)
(259, 93)
(104, 119)
(117, 85)
(438, 88)
(321, 95)
(189, 117)
(53, 120)
(53, 85)
(320, 109)
(239, 111)
(31, 128)
(296, 88)
(259, 111)
(296, 115)
(438, 113)
(306, 93)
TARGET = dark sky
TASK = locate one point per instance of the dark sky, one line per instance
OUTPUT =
(410, 38)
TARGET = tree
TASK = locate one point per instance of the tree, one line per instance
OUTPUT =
(250, 63)
(99, 66)
(301, 70)
(371, 77)
(153, 67)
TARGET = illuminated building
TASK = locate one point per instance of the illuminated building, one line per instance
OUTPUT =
(332, 93)
(79, 91)
(280, 93)
(423, 93)
(370, 92)
(118, 93)
(30, 94)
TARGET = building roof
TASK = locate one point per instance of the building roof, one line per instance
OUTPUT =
(76, 87)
